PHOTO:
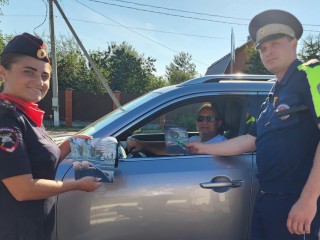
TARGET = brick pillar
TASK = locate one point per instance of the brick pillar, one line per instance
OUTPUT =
(68, 106)
(117, 94)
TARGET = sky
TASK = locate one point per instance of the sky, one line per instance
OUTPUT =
(155, 28)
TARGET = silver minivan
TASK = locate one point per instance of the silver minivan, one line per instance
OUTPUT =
(169, 197)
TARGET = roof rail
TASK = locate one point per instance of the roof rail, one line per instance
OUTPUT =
(228, 77)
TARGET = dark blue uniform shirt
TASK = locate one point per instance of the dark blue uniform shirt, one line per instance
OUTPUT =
(25, 149)
(286, 145)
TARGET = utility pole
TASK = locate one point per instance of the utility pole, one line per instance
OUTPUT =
(55, 91)
(233, 54)
(92, 64)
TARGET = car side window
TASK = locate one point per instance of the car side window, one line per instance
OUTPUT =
(183, 116)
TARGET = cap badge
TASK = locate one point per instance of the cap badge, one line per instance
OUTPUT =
(41, 53)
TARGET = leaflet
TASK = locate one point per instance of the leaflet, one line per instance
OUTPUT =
(94, 157)
(176, 139)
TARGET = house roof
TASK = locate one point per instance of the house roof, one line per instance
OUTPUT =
(220, 66)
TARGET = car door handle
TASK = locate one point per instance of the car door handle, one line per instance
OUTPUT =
(221, 184)
(232, 184)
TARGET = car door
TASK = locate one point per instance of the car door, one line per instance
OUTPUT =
(167, 197)
(180, 197)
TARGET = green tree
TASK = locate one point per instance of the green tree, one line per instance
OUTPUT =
(254, 64)
(125, 69)
(72, 67)
(2, 3)
(310, 48)
(2, 42)
(4, 39)
(180, 69)
(155, 82)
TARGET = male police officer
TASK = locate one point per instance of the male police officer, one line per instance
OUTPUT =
(286, 135)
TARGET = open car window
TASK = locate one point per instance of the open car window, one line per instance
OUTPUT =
(183, 114)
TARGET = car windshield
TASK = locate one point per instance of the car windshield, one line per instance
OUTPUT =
(110, 117)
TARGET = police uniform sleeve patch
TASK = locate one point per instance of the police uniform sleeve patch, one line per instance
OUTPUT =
(9, 140)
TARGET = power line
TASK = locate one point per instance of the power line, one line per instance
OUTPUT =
(144, 29)
(160, 44)
(169, 14)
(150, 30)
(114, 25)
(45, 18)
(184, 11)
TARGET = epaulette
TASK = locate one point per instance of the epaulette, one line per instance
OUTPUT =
(4, 103)
(310, 62)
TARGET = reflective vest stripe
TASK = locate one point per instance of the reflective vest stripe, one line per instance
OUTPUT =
(313, 76)
(250, 120)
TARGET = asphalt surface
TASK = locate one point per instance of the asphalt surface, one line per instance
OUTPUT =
(61, 133)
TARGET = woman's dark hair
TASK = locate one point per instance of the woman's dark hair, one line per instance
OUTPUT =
(6, 60)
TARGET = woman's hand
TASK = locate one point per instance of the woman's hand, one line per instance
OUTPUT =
(83, 136)
(88, 184)
(65, 146)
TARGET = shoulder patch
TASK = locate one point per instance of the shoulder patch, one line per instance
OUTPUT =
(7, 104)
(9, 140)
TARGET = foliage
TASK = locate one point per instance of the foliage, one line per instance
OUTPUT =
(310, 48)
(2, 3)
(125, 69)
(72, 67)
(4, 39)
(155, 82)
(254, 64)
(181, 68)
(2, 42)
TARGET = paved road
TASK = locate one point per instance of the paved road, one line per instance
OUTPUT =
(61, 133)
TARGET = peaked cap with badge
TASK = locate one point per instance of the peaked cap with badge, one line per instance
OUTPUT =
(272, 24)
(27, 44)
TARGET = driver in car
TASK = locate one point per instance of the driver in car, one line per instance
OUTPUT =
(208, 123)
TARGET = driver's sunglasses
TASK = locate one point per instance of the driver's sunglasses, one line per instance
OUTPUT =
(209, 118)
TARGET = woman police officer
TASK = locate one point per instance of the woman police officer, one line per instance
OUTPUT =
(28, 156)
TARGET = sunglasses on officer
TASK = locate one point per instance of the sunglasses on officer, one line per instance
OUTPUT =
(209, 118)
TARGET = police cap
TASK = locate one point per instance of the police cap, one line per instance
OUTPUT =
(272, 24)
(27, 44)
